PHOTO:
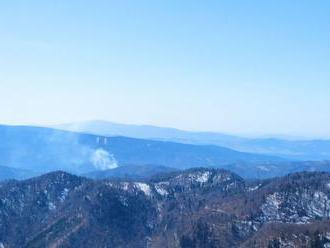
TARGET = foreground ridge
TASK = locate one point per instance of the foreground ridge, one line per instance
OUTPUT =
(194, 208)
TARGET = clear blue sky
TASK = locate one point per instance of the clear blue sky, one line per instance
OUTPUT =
(252, 67)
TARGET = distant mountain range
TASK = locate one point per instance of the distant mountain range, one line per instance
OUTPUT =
(292, 149)
(245, 170)
(44, 149)
(7, 173)
(276, 169)
(29, 151)
(196, 208)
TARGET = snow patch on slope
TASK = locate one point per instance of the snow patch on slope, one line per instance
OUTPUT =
(145, 188)
(64, 194)
(200, 177)
(254, 188)
(328, 184)
(263, 168)
(271, 208)
(160, 190)
(204, 177)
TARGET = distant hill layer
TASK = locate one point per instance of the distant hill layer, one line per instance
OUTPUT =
(245, 170)
(130, 172)
(7, 173)
(44, 149)
(293, 149)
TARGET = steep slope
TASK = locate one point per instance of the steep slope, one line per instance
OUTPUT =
(27, 207)
(193, 208)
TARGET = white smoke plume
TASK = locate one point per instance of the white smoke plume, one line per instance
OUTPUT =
(103, 160)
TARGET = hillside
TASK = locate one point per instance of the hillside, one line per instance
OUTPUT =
(193, 208)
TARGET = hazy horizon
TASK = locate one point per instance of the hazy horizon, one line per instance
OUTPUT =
(258, 68)
(243, 135)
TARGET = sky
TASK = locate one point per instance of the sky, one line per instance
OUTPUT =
(239, 67)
